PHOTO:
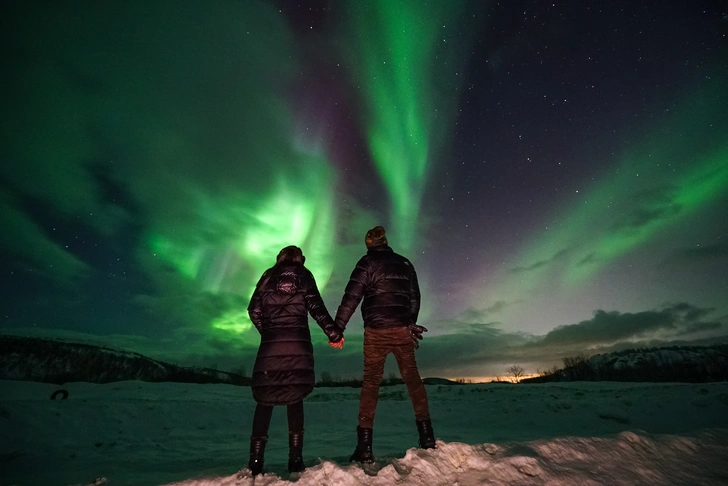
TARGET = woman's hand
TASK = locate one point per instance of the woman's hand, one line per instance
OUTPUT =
(338, 344)
(335, 335)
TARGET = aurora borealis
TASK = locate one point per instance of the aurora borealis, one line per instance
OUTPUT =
(404, 110)
(556, 171)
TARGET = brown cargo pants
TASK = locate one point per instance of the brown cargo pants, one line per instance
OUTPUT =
(378, 343)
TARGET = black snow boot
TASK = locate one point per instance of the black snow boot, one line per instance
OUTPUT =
(363, 451)
(295, 452)
(257, 453)
(427, 435)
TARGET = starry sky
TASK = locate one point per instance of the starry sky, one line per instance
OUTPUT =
(556, 171)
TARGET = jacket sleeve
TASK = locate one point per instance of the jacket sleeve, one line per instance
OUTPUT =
(414, 295)
(255, 308)
(353, 294)
(315, 304)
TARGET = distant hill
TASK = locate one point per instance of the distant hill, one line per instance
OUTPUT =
(439, 381)
(328, 381)
(52, 361)
(692, 364)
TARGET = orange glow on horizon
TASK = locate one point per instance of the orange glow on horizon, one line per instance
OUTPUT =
(488, 379)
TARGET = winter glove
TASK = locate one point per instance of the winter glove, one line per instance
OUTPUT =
(338, 344)
(416, 333)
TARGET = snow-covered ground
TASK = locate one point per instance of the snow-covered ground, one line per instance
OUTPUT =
(140, 433)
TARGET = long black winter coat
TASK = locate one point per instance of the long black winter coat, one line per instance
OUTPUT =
(283, 373)
(388, 284)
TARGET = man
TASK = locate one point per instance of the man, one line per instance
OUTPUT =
(388, 284)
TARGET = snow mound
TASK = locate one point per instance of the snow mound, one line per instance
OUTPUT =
(628, 458)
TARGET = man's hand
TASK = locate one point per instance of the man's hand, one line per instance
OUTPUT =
(338, 344)
(416, 333)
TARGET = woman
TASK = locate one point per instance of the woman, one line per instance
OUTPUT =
(283, 373)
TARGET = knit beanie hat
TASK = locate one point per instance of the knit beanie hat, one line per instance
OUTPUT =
(375, 237)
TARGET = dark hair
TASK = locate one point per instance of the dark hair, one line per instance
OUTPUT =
(291, 254)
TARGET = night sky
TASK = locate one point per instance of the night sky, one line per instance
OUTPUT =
(556, 171)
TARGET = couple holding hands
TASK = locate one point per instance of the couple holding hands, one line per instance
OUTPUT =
(284, 367)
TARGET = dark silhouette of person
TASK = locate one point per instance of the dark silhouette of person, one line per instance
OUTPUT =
(387, 282)
(284, 368)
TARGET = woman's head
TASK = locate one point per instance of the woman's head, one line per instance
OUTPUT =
(291, 254)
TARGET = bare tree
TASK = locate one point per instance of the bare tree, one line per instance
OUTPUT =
(516, 373)
(573, 361)
(578, 367)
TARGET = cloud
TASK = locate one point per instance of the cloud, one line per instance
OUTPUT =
(558, 256)
(701, 327)
(689, 312)
(472, 315)
(698, 253)
(25, 239)
(648, 207)
(590, 259)
(467, 345)
(608, 327)
(483, 349)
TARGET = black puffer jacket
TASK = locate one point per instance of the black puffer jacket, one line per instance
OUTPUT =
(388, 284)
(283, 373)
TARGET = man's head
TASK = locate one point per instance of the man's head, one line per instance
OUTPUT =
(375, 237)
(291, 254)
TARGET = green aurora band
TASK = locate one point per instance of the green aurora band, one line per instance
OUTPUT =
(260, 226)
(221, 233)
(679, 170)
(409, 109)
(400, 48)
(397, 44)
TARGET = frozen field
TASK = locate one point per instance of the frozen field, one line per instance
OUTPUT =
(139, 433)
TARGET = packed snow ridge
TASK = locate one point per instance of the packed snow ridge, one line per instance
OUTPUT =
(630, 458)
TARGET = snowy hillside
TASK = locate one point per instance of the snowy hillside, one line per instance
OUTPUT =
(50, 361)
(713, 358)
(141, 433)
(692, 364)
